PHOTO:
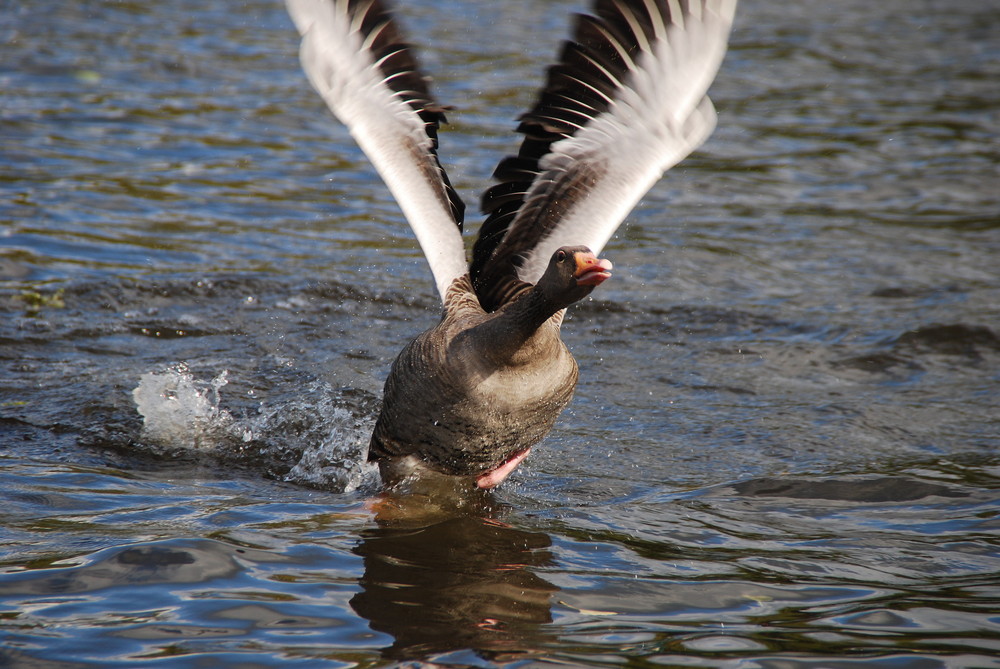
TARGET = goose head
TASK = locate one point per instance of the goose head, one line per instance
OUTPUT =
(572, 273)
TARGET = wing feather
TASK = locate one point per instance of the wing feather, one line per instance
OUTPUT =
(353, 54)
(626, 101)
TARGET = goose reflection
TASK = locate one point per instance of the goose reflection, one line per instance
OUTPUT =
(463, 582)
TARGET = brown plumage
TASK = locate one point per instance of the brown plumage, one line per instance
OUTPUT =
(480, 388)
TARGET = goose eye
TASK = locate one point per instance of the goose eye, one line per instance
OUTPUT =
(560, 256)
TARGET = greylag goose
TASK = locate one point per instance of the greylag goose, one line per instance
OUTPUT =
(625, 102)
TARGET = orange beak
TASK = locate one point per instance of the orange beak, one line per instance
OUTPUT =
(591, 270)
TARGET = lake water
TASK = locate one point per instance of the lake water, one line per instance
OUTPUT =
(784, 451)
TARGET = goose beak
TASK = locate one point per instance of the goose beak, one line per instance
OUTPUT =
(591, 270)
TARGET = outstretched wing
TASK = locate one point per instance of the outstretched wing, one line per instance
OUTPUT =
(626, 101)
(353, 53)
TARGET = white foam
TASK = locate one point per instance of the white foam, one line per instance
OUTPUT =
(336, 459)
(332, 440)
(180, 411)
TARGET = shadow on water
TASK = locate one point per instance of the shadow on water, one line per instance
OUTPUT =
(464, 582)
(142, 566)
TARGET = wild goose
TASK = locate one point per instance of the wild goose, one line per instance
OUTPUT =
(625, 102)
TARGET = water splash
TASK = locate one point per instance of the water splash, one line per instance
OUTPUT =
(341, 457)
(328, 441)
(310, 438)
(180, 411)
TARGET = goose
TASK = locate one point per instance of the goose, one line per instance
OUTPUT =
(626, 100)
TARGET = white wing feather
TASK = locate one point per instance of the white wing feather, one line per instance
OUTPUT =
(656, 120)
(392, 135)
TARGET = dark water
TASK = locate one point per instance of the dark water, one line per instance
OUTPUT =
(784, 451)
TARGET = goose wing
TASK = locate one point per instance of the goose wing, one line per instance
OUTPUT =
(354, 55)
(626, 101)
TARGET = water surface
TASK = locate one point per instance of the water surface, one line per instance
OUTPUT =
(784, 450)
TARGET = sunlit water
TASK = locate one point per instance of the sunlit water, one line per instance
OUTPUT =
(785, 446)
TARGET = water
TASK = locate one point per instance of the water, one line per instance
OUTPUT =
(784, 450)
